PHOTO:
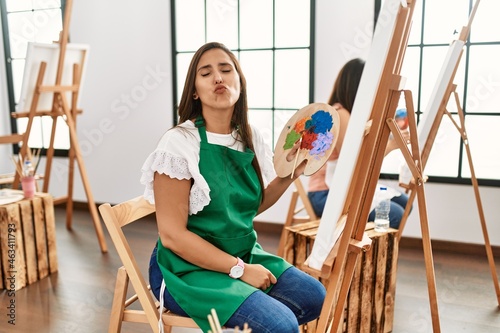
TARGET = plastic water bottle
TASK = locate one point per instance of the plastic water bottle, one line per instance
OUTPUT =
(401, 118)
(382, 211)
(28, 170)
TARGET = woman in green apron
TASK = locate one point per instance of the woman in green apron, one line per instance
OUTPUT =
(209, 177)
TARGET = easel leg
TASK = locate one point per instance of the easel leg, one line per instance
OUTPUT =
(352, 259)
(83, 173)
(325, 321)
(414, 162)
(49, 156)
(71, 177)
(487, 244)
(409, 204)
(429, 261)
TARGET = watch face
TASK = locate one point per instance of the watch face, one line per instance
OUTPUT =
(236, 272)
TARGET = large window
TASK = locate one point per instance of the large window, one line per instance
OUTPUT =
(26, 21)
(273, 42)
(435, 25)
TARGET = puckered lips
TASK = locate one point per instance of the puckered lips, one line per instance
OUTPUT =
(220, 89)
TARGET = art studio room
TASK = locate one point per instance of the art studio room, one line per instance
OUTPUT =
(362, 135)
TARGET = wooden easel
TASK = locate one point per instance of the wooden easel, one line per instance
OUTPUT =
(338, 268)
(61, 108)
(442, 111)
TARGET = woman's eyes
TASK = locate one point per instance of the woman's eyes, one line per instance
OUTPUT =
(222, 70)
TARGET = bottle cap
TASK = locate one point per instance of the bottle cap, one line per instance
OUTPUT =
(401, 113)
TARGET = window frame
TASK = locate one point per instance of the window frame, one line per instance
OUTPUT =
(10, 76)
(237, 51)
(465, 61)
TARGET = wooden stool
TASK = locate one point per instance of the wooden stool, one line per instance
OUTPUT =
(370, 303)
(27, 241)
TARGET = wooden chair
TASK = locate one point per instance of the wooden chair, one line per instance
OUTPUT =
(293, 216)
(115, 218)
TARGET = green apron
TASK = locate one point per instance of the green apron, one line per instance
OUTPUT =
(226, 222)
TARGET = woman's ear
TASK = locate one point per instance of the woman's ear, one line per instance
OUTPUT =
(195, 95)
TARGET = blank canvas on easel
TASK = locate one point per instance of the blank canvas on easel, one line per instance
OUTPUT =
(329, 231)
(49, 53)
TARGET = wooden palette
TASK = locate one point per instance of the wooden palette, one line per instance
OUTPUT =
(316, 126)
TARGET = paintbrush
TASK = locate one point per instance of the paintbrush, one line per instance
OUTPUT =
(296, 158)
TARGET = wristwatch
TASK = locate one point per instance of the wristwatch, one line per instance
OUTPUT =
(237, 271)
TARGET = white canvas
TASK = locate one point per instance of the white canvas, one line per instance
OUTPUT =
(424, 126)
(49, 53)
(329, 231)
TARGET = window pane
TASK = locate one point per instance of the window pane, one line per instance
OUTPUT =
(416, 25)
(21, 31)
(261, 119)
(183, 60)
(442, 18)
(410, 70)
(485, 25)
(281, 117)
(254, 35)
(190, 32)
(42, 4)
(292, 23)
(481, 82)
(61, 140)
(250, 28)
(48, 25)
(18, 5)
(483, 90)
(392, 162)
(41, 129)
(41, 26)
(292, 79)
(222, 22)
(484, 140)
(445, 151)
(258, 70)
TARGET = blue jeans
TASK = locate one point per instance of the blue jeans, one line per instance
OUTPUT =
(295, 299)
(398, 204)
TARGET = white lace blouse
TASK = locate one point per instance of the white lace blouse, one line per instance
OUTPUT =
(178, 153)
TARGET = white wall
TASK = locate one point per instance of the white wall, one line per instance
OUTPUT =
(128, 42)
(127, 95)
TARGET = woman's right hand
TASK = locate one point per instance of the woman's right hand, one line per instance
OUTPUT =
(258, 276)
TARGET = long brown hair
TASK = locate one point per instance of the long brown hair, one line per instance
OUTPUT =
(190, 108)
(347, 83)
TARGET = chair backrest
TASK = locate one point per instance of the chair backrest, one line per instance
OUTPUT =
(115, 218)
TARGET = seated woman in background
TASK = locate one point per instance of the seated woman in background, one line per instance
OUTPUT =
(342, 98)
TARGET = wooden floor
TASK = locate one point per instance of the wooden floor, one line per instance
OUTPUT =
(78, 298)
